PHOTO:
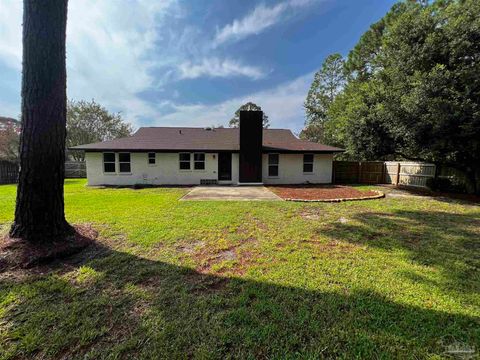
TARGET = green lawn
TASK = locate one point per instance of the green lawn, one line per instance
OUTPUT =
(389, 278)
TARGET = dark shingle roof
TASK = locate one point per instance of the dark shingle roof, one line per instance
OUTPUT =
(201, 139)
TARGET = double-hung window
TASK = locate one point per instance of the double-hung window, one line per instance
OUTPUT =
(308, 163)
(199, 161)
(124, 162)
(151, 158)
(273, 165)
(109, 162)
(184, 159)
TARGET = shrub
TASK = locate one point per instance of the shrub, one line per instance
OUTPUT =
(446, 184)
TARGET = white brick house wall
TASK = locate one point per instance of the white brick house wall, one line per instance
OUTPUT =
(166, 170)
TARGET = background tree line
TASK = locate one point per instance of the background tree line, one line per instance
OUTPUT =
(87, 122)
(409, 89)
(9, 138)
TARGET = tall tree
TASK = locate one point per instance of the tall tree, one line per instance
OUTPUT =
(327, 83)
(89, 122)
(249, 106)
(414, 89)
(39, 212)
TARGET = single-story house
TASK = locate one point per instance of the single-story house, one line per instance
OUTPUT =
(187, 156)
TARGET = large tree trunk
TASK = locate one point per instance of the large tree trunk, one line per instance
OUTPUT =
(39, 213)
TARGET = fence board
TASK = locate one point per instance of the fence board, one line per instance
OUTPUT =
(371, 172)
(75, 169)
(8, 172)
(346, 172)
(409, 173)
(379, 172)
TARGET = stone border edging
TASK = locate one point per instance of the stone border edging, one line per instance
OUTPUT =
(379, 195)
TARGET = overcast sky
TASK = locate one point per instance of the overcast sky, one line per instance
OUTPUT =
(193, 63)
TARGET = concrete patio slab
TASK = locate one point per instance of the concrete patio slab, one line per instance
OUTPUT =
(230, 193)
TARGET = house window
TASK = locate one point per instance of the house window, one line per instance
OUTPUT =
(273, 164)
(308, 163)
(199, 161)
(124, 162)
(151, 158)
(184, 161)
(109, 162)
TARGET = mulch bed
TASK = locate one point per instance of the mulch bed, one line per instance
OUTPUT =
(325, 193)
(18, 253)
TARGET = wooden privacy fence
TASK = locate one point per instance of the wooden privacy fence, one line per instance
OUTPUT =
(358, 172)
(75, 169)
(9, 171)
(408, 173)
(380, 172)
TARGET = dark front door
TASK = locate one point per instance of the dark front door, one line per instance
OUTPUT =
(250, 168)
(224, 166)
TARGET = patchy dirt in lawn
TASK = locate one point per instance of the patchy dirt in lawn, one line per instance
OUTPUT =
(312, 213)
(251, 222)
(320, 192)
(310, 216)
(232, 257)
(204, 284)
(191, 248)
(334, 247)
(238, 257)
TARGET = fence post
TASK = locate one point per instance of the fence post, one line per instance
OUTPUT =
(359, 173)
(398, 174)
(333, 171)
(382, 179)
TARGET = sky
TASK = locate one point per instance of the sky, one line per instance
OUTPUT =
(193, 63)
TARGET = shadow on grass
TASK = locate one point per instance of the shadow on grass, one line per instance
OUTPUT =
(411, 191)
(121, 305)
(447, 241)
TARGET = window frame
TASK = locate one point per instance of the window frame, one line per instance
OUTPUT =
(129, 162)
(273, 165)
(195, 161)
(114, 162)
(308, 163)
(150, 158)
(189, 161)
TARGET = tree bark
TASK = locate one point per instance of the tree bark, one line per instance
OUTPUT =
(39, 212)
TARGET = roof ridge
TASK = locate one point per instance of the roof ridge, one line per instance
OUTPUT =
(197, 139)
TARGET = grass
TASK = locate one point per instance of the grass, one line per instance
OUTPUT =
(390, 278)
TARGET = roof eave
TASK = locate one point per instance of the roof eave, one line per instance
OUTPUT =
(152, 150)
(302, 151)
(264, 150)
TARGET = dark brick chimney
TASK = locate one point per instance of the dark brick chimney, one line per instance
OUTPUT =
(251, 138)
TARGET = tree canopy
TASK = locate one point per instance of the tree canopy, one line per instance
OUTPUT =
(89, 122)
(9, 139)
(413, 88)
(327, 83)
(249, 106)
